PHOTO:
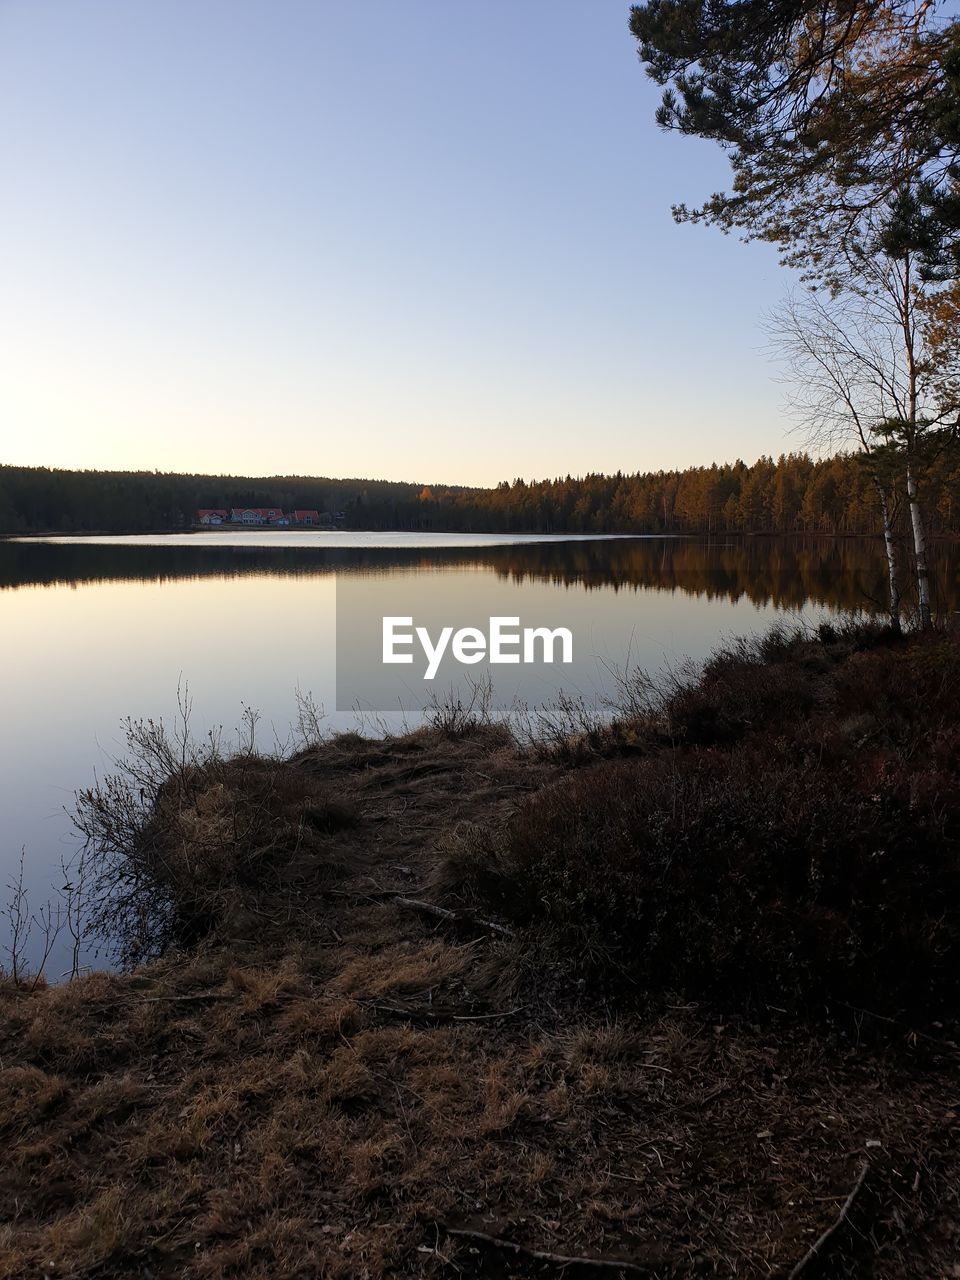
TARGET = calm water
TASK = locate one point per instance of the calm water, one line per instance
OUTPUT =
(98, 629)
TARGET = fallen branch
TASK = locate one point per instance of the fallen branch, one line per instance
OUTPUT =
(375, 895)
(453, 917)
(410, 1013)
(544, 1255)
(435, 1013)
(200, 995)
(818, 1247)
(483, 1017)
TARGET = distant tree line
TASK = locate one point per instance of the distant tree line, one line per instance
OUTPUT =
(792, 494)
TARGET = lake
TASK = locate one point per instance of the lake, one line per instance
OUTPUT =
(99, 629)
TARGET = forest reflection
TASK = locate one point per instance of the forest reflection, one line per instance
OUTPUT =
(790, 573)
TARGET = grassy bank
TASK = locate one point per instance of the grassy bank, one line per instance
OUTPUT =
(671, 996)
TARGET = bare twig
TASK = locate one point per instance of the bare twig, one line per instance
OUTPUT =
(435, 1013)
(454, 917)
(483, 1017)
(73, 892)
(820, 1245)
(18, 915)
(49, 921)
(544, 1255)
(200, 995)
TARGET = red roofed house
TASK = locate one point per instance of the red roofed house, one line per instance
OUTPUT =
(211, 515)
(246, 515)
(256, 515)
(306, 517)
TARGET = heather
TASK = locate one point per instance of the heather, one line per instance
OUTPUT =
(784, 832)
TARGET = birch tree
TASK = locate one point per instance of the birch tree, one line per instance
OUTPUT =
(838, 393)
(872, 364)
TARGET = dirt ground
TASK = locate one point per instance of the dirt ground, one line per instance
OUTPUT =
(337, 1083)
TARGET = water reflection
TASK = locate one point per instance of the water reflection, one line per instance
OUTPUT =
(787, 573)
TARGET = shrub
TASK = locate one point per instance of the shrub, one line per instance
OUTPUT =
(912, 691)
(179, 839)
(814, 860)
(766, 682)
(738, 693)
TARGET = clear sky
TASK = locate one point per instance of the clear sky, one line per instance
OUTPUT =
(426, 240)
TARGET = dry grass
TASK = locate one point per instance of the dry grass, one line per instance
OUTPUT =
(291, 1129)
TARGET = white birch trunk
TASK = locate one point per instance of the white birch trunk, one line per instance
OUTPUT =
(919, 551)
(907, 315)
(893, 563)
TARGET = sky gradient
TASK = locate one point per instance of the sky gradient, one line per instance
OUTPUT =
(428, 241)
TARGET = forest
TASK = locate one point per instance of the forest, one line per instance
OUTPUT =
(794, 493)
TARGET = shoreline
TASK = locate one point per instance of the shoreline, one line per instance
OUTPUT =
(530, 535)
